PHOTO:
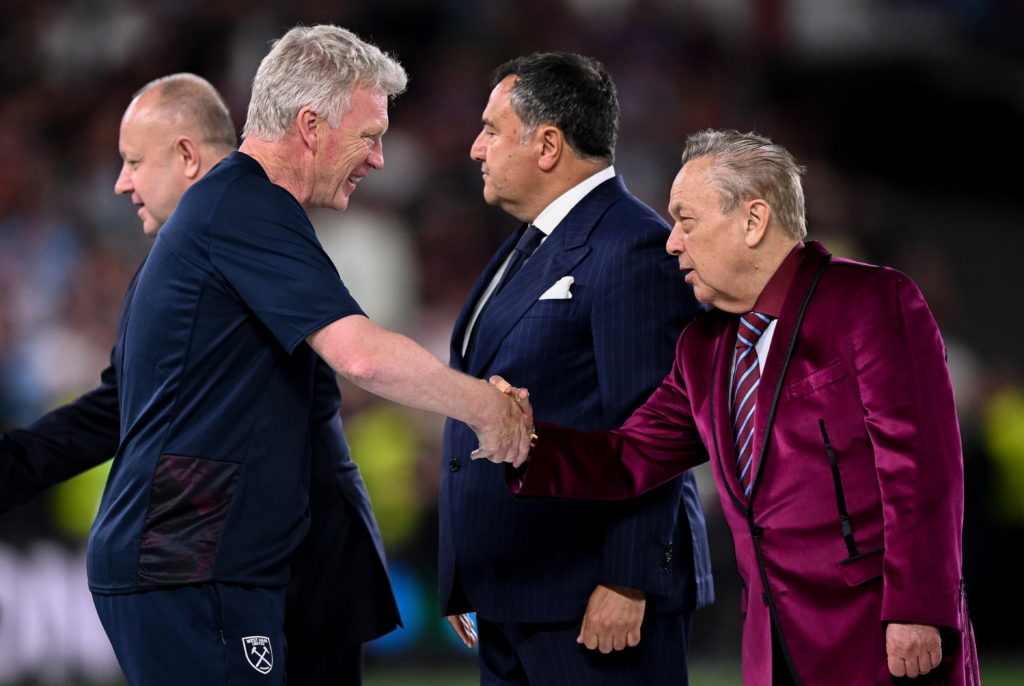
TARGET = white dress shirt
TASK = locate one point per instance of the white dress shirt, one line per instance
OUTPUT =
(547, 221)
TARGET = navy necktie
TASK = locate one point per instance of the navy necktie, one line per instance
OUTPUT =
(746, 377)
(525, 247)
(527, 243)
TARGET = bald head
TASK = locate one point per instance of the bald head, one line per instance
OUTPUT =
(195, 106)
(175, 129)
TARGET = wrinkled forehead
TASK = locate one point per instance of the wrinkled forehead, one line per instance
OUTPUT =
(365, 104)
(692, 183)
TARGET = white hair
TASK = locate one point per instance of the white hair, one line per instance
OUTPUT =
(747, 166)
(316, 66)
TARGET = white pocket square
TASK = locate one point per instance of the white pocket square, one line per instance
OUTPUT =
(559, 291)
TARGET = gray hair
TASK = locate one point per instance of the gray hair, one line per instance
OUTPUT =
(746, 166)
(196, 105)
(316, 66)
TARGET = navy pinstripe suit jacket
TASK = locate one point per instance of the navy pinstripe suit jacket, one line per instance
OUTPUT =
(588, 361)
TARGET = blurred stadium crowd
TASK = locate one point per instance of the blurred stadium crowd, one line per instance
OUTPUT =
(904, 111)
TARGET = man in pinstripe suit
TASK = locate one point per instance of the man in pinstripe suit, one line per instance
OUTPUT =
(569, 593)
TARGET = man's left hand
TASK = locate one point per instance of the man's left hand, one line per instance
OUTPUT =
(913, 649)
(465, 628)
(613, 618)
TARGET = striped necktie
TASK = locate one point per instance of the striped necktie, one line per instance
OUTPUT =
(746, 375)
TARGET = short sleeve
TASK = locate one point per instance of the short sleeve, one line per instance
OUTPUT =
(264, 246)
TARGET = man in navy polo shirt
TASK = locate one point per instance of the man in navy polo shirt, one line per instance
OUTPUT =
(175, 129)
(206, 499)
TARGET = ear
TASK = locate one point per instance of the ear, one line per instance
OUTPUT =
(308, 124)
(552, 144)
(759, 213)
(186, 150)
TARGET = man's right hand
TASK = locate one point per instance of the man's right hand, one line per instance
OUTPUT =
(521, 395)
(393, 366)
(509, 439)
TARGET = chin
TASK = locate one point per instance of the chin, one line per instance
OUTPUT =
(334, 204)
(705, 296)
(341, 202)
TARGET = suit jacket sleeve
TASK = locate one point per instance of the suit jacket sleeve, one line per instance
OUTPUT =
(658, 442)
(635, 323)
(339, 593)
(899, 360)
(62, 443)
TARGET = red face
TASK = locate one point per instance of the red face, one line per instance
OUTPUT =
(151, 174)
(710, 243)
(349, 152)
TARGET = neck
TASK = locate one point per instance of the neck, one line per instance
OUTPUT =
(211, 156)
(284, 163)
(567, 174)
(766, 261)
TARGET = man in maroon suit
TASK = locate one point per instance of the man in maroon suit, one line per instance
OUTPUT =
(827, 412)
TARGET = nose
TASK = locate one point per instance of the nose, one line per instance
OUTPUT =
(123, 185)
(476, 151)
(674, 244)
(376, 158)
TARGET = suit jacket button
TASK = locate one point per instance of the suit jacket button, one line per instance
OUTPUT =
(454, 465)
(666, 557)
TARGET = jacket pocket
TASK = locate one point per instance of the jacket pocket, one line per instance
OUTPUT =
(863, 568)
(189, 502)
(845, 524)
(829, 374)
(552, 308)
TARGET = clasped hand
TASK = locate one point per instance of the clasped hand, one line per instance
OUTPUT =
(510, 440)
(912, 649)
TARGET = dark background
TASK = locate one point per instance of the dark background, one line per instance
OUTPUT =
(907, 113)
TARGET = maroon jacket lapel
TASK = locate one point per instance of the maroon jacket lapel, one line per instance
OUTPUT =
(721, 412)
(813, 256)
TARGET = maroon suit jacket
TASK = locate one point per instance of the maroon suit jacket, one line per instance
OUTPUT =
(862, 420)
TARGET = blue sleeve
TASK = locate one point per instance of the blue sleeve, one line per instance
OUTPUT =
(264, 245)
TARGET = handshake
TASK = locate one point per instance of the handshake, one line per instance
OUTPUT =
(510, 437)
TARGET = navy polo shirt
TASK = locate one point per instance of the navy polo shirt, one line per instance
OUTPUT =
(211, 480)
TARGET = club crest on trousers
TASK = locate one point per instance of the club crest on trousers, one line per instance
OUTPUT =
(258, 653)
